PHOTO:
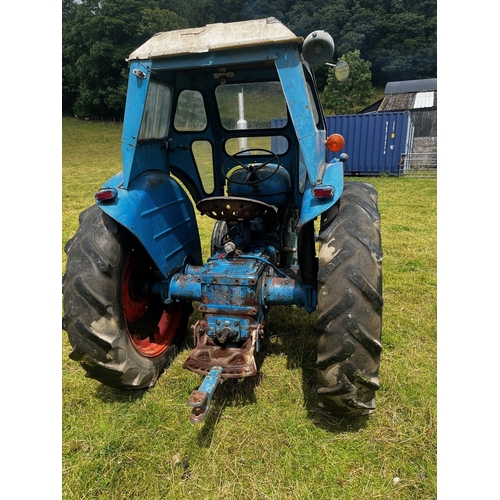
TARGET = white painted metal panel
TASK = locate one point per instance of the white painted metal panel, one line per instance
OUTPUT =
(424, 100)
(216, 37)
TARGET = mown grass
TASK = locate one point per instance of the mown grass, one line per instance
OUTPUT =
(265, 438)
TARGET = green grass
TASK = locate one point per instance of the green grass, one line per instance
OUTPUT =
(264, 438)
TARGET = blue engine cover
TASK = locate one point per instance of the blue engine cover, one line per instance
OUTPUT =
(270, 184)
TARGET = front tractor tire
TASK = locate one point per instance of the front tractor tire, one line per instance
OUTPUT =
(121, 333)
(350, 303)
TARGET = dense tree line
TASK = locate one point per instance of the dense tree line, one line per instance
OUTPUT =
(397, 37)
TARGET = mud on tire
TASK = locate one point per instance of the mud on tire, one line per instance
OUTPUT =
(120, 332)
(350, 302)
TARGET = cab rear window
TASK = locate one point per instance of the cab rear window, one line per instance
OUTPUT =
(251, 105)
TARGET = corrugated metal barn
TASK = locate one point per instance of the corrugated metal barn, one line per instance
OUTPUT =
(417, 96)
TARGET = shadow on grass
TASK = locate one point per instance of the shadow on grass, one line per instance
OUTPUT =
(290, 332)
(231, 393)
(295, 334)
(111, 395)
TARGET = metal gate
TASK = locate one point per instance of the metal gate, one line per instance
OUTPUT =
(422, 164)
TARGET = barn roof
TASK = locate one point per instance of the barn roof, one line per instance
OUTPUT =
(410, 94)
(404, 87)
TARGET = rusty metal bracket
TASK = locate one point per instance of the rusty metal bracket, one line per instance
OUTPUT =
(236, 362)
(200, 400)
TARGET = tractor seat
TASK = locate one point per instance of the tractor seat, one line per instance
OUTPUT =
(235, 209)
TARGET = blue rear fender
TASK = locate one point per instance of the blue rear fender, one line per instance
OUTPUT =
(313, 207)
(159, 213)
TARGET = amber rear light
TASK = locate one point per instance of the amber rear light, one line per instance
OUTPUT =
(335, 142)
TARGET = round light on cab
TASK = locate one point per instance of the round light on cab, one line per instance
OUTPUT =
(335, 142)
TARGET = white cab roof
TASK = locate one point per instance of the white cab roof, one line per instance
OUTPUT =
(216, 37)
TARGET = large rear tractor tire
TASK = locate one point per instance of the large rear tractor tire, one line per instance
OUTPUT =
(121, 332)
(350, 303)
(219, 236)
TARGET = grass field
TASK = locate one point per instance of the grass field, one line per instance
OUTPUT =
(265, 438)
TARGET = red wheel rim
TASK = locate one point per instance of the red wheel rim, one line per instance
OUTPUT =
(151, 326)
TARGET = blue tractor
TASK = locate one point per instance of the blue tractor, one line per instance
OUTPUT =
(226, 120)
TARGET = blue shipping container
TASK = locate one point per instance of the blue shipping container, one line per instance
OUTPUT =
(375, 142)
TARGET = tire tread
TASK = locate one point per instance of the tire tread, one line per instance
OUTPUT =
(350, 304)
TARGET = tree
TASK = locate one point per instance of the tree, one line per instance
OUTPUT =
(350, 96)
(398, 37)
(406, 47)
(98, 36)
(157, 20)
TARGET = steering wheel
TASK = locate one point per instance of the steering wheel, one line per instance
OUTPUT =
(251, 168)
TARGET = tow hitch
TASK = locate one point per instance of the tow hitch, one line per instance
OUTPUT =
(200, 400)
